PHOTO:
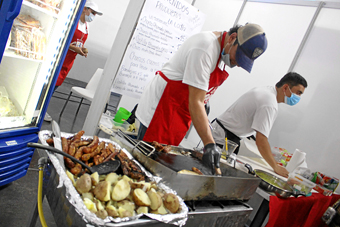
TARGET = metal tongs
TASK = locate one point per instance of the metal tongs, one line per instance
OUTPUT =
(141, 145)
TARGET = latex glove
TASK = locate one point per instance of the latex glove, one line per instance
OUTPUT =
(211, 158)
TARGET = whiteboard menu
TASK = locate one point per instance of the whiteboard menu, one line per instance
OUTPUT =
(162, 27)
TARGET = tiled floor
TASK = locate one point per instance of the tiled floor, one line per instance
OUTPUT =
(18, 199)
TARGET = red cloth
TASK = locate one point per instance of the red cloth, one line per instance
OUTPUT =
(299, 212)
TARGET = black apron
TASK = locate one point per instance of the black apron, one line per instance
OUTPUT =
(230, 136)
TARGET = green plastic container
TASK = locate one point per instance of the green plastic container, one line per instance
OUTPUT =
(122, 115)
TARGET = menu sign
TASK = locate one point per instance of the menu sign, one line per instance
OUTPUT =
(162, 27)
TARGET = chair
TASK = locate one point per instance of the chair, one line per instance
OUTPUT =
(87, 92)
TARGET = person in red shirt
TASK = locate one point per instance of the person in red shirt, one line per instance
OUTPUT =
(77, 43)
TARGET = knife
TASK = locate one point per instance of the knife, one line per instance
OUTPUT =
(57, 141)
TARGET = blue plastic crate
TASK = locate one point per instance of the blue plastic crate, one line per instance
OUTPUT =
(16, 165)
(18, 158)
(13, 178)
(8, 174)
(11, 154)
(15, 156)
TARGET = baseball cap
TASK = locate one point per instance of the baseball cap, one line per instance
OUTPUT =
(93, 6)
(252, 42)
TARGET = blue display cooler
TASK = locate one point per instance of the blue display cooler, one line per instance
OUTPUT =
(34, 38)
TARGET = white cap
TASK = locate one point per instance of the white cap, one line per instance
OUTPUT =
(93, 6)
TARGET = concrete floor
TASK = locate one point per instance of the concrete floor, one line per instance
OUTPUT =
(18, 198)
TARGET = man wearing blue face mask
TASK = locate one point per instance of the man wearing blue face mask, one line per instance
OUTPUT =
(255, 112)
(77, 43)
(179, 91)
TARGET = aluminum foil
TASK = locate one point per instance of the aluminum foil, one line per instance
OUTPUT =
(89, 217)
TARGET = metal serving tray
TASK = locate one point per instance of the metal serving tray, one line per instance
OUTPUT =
(232, 185)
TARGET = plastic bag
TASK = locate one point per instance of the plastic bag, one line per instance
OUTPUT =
(27, 39)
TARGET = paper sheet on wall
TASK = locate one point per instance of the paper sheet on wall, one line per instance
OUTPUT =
(162, 27)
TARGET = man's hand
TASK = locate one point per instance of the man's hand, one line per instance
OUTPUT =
(282, 171)
(79, 50)
(211, 158)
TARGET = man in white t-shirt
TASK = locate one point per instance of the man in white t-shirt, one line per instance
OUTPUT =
(255, 112)
(178, 93)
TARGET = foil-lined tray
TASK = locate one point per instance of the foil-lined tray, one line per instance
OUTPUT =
(75, 199)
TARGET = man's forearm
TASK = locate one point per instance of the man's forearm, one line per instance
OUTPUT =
(198, 115)
(73, 48)
(201, 122)
(265, 150)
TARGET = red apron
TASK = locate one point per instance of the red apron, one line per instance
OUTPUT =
(172, 119)
(78, 36)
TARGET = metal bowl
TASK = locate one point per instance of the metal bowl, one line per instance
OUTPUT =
(271, 183)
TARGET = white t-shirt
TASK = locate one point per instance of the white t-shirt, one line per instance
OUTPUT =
(192, 63)
(255, 110)
(82, 27)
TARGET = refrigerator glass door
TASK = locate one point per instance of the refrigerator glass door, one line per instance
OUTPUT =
(33, 51)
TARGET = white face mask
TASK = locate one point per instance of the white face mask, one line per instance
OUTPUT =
(226, 57)
(89, 18)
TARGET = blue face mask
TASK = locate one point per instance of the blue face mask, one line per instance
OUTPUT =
(89, 18)
(293, 99)
(226, 58)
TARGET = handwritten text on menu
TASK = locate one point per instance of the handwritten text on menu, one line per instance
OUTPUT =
(162, 27)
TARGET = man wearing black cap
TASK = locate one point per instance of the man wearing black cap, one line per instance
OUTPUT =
(177, 94)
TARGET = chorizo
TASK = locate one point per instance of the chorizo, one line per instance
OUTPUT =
(69, 163)
(76, 170)
(79, 135)
(64, 144)
(86, 157)
(50, 142)
(79, 153)
(92, 146)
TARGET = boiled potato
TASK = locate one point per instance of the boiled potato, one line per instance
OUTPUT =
(90, 205)
(142, 185)
(171, 202)
(141, 198)
(102, 191)
(161, 210)
(71, 176)
(95, 178)
(102, 177)
(112, 211)
(112, 203)
(84, 183)
(127, 205)
(101, 214)
(130, 196)
(124, 213)
(155, 198)
(88, 195)
(128, 179)
(112, 178)
(142, 210)
(99, 204)
(154, 185)
(121, 190)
